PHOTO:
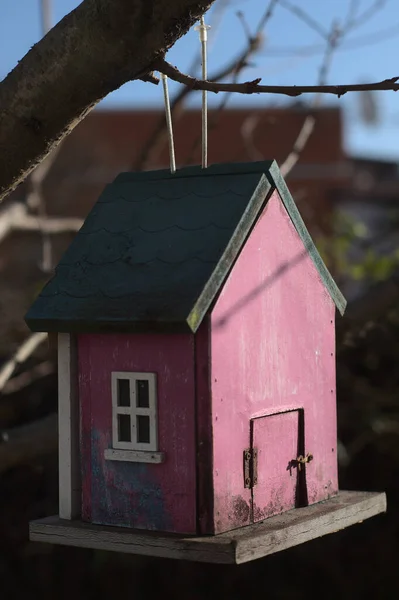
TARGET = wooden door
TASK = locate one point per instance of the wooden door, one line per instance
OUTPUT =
(277, 439)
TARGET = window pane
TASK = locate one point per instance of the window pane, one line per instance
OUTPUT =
(143, 429)
(142, 393)
(124, 431)
(123, 392)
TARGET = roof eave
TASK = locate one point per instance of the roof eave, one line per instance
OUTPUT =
(277, 180)
(105, 326)
(229, 256)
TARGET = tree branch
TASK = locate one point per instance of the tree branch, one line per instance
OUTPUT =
(158, 138)
(308, 126)
(91, 52)
(19, 382)
(16, 218)
(23, 352)
(254, 87)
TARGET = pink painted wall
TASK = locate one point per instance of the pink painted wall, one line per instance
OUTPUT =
(273, 349)
(148, 496)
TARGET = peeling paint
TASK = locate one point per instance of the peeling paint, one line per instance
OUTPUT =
(129, 494)
(125, 494)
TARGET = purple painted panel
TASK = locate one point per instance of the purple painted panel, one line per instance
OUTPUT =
(141, 495)
(273, 349)
(276, 439)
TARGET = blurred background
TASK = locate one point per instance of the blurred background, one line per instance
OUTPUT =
(341, 161)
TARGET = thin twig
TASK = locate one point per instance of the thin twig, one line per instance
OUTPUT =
(15, 217)
(254, 44)
(305, 17)
(19, 382)
(368, 14)
(309, 124)
(254, 87)
(155, 143)
(23, 352)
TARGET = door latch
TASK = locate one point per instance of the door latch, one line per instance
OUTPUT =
(250, 467)
(302, 460)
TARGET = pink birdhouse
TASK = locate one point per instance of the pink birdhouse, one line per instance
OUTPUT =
(197, 387)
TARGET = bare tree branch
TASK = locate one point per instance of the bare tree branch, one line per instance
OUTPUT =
(16, 218)
(9, 216)
(305, 17)
(88, 54)
(23, 352)
(368, 14)
(335, 38)
(308, 126)
(254, 87)
(48, 225)
(19, 382)
(158, 138)
(254, 44)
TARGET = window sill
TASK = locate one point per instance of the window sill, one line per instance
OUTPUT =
(134, 456)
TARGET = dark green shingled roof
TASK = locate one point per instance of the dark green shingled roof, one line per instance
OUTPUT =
(156, 248)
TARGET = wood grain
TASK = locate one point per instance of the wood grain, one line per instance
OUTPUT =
(243, 545)
(273, 328)
(70, 487)
(134, 456)
(276, 439)
(142, 495)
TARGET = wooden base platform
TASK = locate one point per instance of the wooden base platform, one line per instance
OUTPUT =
(234, 547)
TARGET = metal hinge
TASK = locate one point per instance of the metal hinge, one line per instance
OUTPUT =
(250, 467)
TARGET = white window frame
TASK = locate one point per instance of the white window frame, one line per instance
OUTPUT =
(134, 411)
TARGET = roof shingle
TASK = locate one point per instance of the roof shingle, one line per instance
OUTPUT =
(154, 250)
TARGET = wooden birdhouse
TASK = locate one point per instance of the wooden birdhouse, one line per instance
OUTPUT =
(197, 389)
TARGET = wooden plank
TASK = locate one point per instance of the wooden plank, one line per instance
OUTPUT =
(68, 426)
(204, 437)
(134, 456)
(282, 355)
(305, 524)
(141, 495)
(248, 543)
(275, 437)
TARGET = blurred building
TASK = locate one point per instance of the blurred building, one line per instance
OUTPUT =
(106, 143)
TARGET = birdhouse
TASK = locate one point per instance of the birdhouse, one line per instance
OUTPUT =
(197, 388)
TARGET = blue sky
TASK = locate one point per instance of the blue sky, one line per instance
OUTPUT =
(291, 54)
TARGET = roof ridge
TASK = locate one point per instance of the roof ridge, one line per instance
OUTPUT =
(197, 171)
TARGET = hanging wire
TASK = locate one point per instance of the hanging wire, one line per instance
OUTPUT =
(46, 16)
(169, 123)
(203, 35)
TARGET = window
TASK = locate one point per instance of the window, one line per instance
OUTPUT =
(134, 418)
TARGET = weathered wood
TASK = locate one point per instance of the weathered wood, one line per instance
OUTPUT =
(204, 437)
(243, 545)
(164, 270)
(70, 488)
(275, 438)
(273, 328)
(142, 495)
(134, 456)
